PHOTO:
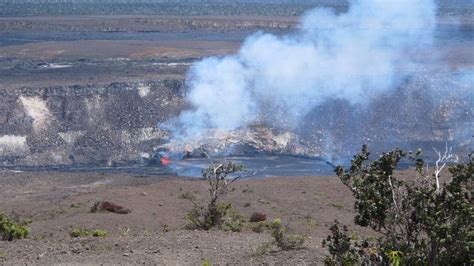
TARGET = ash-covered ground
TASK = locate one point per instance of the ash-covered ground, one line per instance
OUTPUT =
(81, 91)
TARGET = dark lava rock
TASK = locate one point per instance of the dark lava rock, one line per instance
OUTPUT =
(257, 217)
(112, 207)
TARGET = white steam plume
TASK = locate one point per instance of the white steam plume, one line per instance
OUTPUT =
(354, 56)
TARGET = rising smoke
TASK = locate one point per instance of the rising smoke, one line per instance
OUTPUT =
(332, 66)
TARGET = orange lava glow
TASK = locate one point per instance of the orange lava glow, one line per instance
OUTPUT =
(165, 161)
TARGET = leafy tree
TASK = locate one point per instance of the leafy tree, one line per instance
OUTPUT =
(419, 220)
(217, 175)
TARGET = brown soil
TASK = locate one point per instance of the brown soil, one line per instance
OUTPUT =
(154, 232)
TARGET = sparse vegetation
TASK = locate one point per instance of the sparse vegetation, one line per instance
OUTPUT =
(38, 237)
(124, 231)
(81, 232)
(312, 222)
(344, 250)
(336, 205)
(212, 214)
(282, 239)
(147, 232)
(11, 229)
(95, 207)
(233, 221)
(187, 196)
(259, 227)
(165, 228)
(421, 221)
(207, 263)
(99, 233)
(3, 255)
(75, 205)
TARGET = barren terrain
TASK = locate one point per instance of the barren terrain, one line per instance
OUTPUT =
(57, 202)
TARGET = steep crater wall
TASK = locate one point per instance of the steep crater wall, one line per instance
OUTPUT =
(103, 125)
(116, 124)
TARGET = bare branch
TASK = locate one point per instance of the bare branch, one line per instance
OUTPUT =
(442, 161)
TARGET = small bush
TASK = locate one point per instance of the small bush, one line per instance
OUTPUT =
(81, 232)
(124, 231)
(259, 227)
(38, 237)
(282, 239)
(205, 217)
(96, 206)
(3, 255)
(11, 229)
(233, 221)
(99, 233)
(232, 225)
(206, 263)
(165, 228)
(344, 250)
(188, 196)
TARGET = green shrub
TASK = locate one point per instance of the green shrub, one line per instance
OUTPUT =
(233, 221)
(96, 206)
(11, 229)
(81, 232)
(344, 250)
(282, 239)
(259, 227)
(206, 263)
(99, 233)
(205, 217)
(420, 220)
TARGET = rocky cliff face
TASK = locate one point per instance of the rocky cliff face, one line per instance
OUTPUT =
(102, 125)
(117, 124)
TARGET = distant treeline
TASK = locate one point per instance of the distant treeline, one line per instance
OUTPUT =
(189, 7)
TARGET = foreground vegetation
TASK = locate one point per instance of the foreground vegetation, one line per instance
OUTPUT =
(420, 221)
(11, 229)
(212, 213)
